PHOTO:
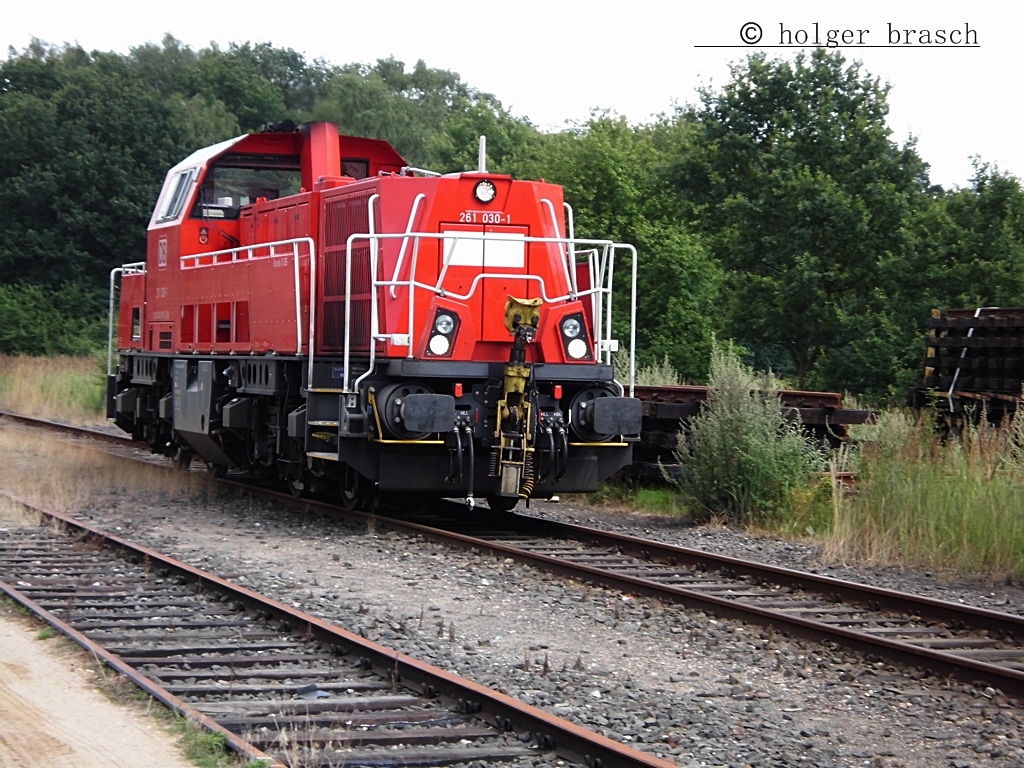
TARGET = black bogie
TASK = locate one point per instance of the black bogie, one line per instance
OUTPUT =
(433, 432)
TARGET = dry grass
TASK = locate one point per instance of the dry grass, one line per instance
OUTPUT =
(67, 477)
(69, 388)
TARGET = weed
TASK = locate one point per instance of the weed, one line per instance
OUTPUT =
(658, 374)
(79, 475)
(45, 633)
(741, 459)
(59, 387)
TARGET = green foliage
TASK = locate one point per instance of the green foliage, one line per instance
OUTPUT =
(40, 322)
(54, 387)
(203, 748)
(802, 194)
(742, 461)
(778, 211)
(430, 116)
(657, 374)
(234, 78)
(608, 171)
(664, 501)
(82, 161)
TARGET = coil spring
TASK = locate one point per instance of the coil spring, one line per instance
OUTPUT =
(526, 489)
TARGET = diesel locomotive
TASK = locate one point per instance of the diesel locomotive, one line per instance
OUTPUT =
(313, 309)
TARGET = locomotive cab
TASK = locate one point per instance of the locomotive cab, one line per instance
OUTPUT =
(312, 309)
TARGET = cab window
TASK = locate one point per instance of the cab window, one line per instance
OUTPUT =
(175, 200)
(239, 180)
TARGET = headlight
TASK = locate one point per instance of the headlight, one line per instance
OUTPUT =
(575, 341)
(442, 337)
(485, 191)
(439, 345)
(577, 349)
(444, 324)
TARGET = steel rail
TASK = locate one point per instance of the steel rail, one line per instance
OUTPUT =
(70, 429)
(233, 741)
(967, 670)
(940, 662)
(551, 733)
(943, 663)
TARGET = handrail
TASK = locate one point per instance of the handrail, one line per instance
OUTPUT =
(570, 275)
(408, 231)
(601, 257)
(600, 254)
(270, 244)
(135, 268)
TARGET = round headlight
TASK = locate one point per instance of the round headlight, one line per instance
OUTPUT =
(485, 191)
(571, 327)
(444, 324)
(439, 345)
(577, 349)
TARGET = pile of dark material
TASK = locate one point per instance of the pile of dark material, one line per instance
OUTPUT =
(974, 361)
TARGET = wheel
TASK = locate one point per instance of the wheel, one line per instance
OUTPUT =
(182, 457)
(502, 503)
(217, 470)
(354, 489)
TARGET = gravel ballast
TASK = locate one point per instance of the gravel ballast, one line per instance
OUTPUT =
(682, 684)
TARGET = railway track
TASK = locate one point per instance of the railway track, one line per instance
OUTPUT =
(280, 685)
(973, 645)
(970, 644)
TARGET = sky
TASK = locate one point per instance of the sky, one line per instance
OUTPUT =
(555, 61)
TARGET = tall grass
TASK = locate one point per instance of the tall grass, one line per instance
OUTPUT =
(71, 388)
(920, 500)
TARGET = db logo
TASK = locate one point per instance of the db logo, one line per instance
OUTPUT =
(204, 235)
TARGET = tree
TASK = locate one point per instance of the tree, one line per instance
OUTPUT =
(803, 195)
(44, 322)
(609, 170)
(232, 78)
(429, 115)
(984, 259)
(85, 142)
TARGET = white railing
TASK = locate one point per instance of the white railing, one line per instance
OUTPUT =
(600, 255)
(271, 250)
(600, 258)
(135, 268)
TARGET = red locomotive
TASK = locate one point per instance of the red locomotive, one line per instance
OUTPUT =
(313, 309)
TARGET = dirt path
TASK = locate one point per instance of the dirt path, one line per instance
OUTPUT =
(51, 713)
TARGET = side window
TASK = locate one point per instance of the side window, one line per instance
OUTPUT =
(136, 324)
(355, 167)
(175, 201)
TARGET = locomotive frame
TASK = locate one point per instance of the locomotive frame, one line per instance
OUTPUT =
(313, 309)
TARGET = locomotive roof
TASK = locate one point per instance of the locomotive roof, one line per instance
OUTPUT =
(204, 155)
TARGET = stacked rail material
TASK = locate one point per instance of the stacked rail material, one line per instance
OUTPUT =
(667, 410)
(975, 359)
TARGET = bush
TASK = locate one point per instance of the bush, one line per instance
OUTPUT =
(741, 459)
(37, 322)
